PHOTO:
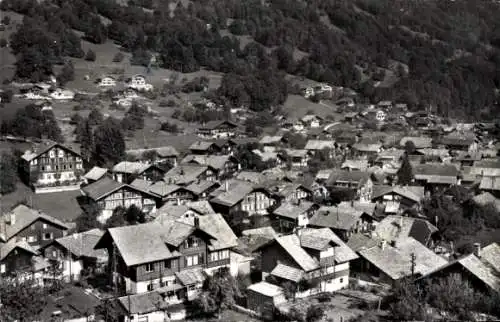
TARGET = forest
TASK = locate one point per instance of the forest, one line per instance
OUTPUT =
(444, 54)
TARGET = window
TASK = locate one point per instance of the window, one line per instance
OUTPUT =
(214, 256)
(2, 268)
(44, 226)
(150, 287)
(31, 239)
(61, 153)
(192, 287)
(49, 167)
(150, 267)
(341, 280)
(54, 253)
(192, 260)
(191, 242)
(167, 264)
(51, 154)
(47, 236)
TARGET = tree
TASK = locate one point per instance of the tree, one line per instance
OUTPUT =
(67, 73)
(405, 303)
(21, 301)
(88, 219)
(219, 293)
(410, 147)
(8, 173)
(95, 117)
(405, 172)
(90, 55)
(118, 58)
(117, 219)
(289, 289)
(451, 294)
(109, 143)
(134, 215)
(314, 313)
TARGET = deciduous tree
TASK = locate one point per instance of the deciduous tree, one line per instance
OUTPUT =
(109, 143)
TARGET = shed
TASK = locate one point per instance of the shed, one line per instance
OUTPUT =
(264, 295)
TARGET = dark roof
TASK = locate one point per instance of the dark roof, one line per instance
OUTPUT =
(215, 124)
(430, 169)
(101, 188)
(347, 176)
(40, 149)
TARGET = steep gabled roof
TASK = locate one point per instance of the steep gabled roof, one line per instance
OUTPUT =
(24, 216)
(82, 244)
(7, 248)
(415, 193)
(41, 148)
(291, 244)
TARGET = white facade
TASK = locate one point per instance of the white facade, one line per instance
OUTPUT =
(71, 269)
(158, 316)
(107, 82)
(60, 94)
(139, 83)
(132, 287)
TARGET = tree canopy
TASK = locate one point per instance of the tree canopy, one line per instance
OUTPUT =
(109, 143)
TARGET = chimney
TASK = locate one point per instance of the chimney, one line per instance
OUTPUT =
(477, 249)
(197, 222)
(400, 221)
(226, 185)
(178, 201)
(12, 219)
(382, 244)
(298, 231)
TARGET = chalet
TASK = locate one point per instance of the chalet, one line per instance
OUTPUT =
(20, 260)
(367, 149)
(95, 174)
(271, 155)
(481, 269)
(179, 254)
(138, 82)
(368, 209)
(297, 157)
(294, 215)
(344, 221)
(389, 157)
(293, 124)
(205, 147)
(351, 116)
(126, 171)
(236, 195)
(218, 129)
(486, 168)
(288, 191)
(466, 159)
(223, 166)
(383, 263)
(62, 94)
(169, 193)
(314, 146)
(108, 194)
(189, 209)
(185, 174)
(438, 155)
(149, 307)
(349, 180)
(387, 105)
(71, 304)
(312, 121)
(106, 81)
(420, 142)
(397, 199)
(52, 167)
(202, 189)
(491, 185)
(29, 225)
(162, 156)
(317, 256)
(75, 253)
(395, 229)
(380, 116)
(435, 177)
(355, 165)
(271, 140)
(457, 142)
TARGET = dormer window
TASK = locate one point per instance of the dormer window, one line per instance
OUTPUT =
(52, 154)
(61, 153)
(191, 242)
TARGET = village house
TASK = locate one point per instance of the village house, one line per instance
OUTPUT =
(205, 148)
(51, 167)
(395, 228)
(389, 157)
(419, 142)
(271, 155)
(148, 307)
(485, 168)
(271, 140)
(316, 256)
(185, 174)
(218, 129)
(106, 81)
(108, 194)
(193, 208)
(167, 193)
(203, 188)
(180, 254)
(236, 195)
(458, 142)
(292, 215)
(367, 149)
(138, 82)
(387, 105)
(397, 199)
(312, 121)
(71, 304)
(95, 174)
(355, 165)
(263, 297)
(20, 261)
(288, 191)
(435, 177)
(383, 263)
(466, 159)
(349, 180)
(435, 155)
(126, 171)
(343, 220)
(165, 156)
(298, 158)
(75, 253)
(314, 146)
(223, 166)
(30, 225)
(481, 269)
(491, 185)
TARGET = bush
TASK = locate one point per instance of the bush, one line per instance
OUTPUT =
(118, 57)
(3, 43)
(176, 114)
(314, 313)
(6, 20)
(90, 55)
(169, 127)
(6, 96)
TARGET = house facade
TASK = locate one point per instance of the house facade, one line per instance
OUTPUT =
(52, 167)
(217, 129)
(242, 196)
(106, 81)
(139, 83)
(108, 195)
